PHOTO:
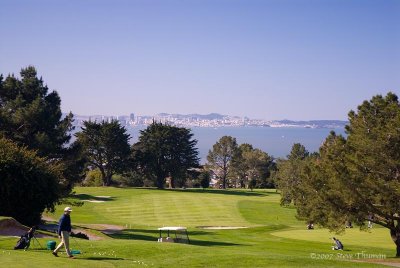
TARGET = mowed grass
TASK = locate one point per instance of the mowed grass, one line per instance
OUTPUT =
(274, 238)
(377, 236)
(151, 207)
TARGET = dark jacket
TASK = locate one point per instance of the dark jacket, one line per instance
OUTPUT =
(339, 244)
(64, 224)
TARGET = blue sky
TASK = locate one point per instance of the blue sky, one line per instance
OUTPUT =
(270, 59)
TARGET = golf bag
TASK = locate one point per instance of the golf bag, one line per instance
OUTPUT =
(25, 240)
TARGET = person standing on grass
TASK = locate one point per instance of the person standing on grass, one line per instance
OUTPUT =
(64, 229)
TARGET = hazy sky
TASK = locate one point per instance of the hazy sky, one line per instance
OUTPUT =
(263, 59)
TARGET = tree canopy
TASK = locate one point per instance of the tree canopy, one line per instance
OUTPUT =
(30, 115)
(356, 178)
(251, 167)
(28, 184)
(165, 151)
(220, 158)
(289, 172)
(106, 147)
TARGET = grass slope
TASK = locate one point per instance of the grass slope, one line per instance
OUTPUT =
(275, 237)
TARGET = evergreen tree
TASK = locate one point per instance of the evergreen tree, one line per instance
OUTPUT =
(105, 146)
(288, 173)
(31, 116)
(165, 151)
(357, 178)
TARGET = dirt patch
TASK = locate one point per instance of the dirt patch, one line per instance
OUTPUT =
(94, 201)
(381, 261)
(221, 227)
(52, 227)
(106, 228)
(11, 227)
(99, 197)
(47, 218)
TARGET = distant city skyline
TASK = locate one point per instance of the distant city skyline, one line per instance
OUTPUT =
(213, 120)
(269, 59)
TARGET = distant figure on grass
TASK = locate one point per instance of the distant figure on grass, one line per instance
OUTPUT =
(349, 224)
(310, 226)
(64, 229)
(338, 245)
(370, 219)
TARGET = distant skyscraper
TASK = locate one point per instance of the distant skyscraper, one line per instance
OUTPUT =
(132, 117)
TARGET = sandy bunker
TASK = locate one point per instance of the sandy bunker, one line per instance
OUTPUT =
(98, 201)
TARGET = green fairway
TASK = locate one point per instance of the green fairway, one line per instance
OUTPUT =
(377, 237)
(273, 238)
(191, 208)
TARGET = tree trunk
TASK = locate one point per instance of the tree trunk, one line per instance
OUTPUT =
(108, 180)
(160, 182)
(395, 234)
(103, 176)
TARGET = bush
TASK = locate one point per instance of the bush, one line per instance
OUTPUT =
(29, 184)
(131, 179)
(93, 178)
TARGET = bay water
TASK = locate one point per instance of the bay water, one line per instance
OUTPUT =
(277, 142)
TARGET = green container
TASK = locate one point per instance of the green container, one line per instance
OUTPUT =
(51, 245)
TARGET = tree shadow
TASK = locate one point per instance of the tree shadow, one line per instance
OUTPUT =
(206, 243)
(92, 197)
(220, 191)
(102, 258)
(153, 235)
(133, 236)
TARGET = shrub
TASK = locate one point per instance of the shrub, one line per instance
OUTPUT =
(29, 184)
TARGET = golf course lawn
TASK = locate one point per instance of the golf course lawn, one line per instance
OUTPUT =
(273, 236)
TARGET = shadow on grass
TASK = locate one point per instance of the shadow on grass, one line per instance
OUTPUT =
(206, 243)
(136, 234)
(92, 197)
(152, 235)
(133, 236)
(221, 191)
(102, 258)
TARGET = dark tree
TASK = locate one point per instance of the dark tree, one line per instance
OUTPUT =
(165, 151)
(205, 179)
(106, 147)
(28, 184)
(31, 116)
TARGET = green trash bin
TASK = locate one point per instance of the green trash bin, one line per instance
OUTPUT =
(51, 245)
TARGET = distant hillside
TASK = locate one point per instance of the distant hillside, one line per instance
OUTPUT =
(314, 123)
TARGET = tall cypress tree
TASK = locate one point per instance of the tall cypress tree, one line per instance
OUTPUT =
(165, 151)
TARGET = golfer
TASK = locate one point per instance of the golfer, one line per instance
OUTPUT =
(64, 229)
